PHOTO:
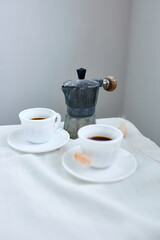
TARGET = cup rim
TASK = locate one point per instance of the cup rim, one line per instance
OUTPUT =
(21, 117)
(119, 138)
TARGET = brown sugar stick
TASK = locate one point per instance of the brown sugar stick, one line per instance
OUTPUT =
(82, 158)
(123, 128)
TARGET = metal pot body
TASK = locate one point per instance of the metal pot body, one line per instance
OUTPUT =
(81, 102)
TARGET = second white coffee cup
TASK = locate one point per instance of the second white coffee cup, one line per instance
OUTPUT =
(39, 124)
(101, 143)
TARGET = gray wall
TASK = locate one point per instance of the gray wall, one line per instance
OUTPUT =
(43, 42)
(142, 92)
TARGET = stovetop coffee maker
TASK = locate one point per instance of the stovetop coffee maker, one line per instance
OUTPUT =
(81, 98)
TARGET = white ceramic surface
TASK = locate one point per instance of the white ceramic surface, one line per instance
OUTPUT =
(123, 167)
(39, 131)
(103, 153)
(17, 141)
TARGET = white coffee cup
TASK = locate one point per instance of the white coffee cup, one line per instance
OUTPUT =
(39, 124)
(102, 153)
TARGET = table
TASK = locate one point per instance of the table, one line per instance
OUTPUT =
(40, 200)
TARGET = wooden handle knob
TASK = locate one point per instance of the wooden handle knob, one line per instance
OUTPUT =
(109, 83)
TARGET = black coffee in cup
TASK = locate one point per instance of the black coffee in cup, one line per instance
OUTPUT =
(100, 138)
(38, 118)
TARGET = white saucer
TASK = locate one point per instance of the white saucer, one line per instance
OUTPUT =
(18, 142)
(122, 168)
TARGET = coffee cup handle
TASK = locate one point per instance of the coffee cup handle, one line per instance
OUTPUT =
(58, 120)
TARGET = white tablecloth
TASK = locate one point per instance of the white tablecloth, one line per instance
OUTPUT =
(40, 200)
